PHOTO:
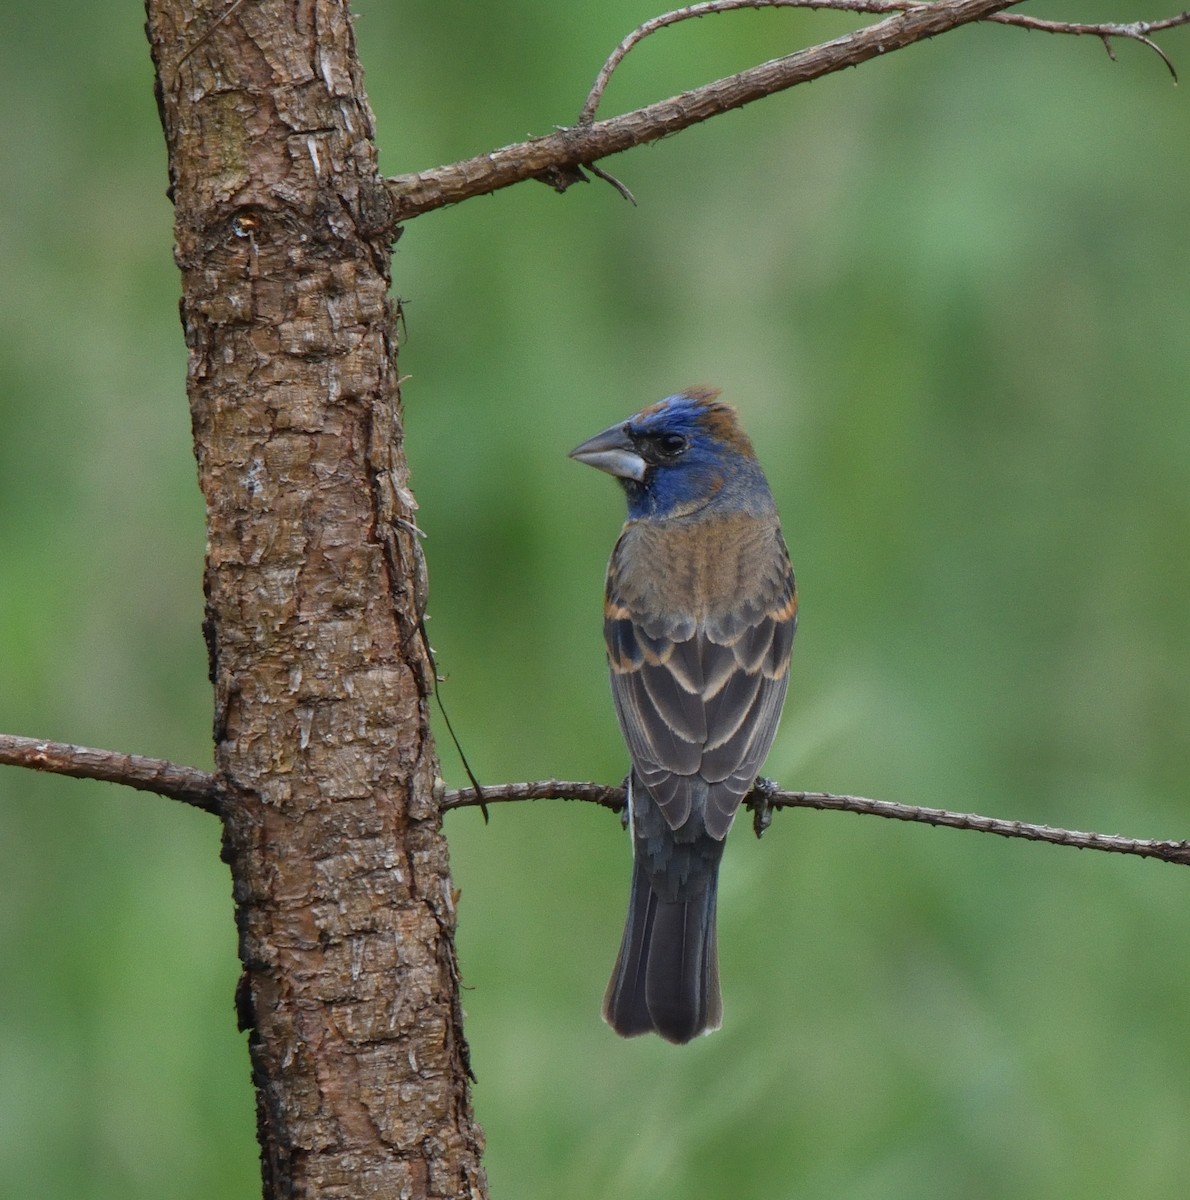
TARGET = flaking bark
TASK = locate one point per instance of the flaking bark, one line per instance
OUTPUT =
(342, 891)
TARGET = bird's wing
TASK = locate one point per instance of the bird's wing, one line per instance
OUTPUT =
(699, 700)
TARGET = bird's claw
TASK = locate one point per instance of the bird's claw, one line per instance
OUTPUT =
(759, 800)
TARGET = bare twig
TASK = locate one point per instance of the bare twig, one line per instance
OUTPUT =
(543, 789)
(613, 798)
(552, 155)
(188, 784)
(607, 177)
(202, 790)
(708, 8)
(557, 158)
(1138, 31)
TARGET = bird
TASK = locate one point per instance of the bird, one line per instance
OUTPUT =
(700, 610)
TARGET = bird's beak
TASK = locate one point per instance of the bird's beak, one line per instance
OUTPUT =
(612, 451)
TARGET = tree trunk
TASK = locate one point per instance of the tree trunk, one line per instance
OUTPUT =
(314, 584)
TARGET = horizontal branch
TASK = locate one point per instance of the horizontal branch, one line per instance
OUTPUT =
(765, 797)
(611, 798)
(187, 784)
(201, 789)
(558, 158)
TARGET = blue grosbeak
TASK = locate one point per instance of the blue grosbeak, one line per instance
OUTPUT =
(699, 617)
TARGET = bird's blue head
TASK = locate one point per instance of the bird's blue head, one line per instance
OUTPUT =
(682, 455)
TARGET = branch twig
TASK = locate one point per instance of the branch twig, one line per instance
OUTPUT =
(1137, 31)
(613, 798)
(188, 784)
(554, 156)
(560, 157)
(710, 7)
(202, 790)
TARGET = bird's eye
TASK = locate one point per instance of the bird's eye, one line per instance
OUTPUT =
(671, 444)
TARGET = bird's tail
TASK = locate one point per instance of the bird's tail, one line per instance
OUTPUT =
(666, 978)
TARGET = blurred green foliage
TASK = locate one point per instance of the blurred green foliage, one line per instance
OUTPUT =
(950, 292)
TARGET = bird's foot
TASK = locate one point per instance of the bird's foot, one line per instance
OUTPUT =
(759, 800)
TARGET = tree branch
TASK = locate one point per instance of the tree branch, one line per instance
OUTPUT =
(559, 158)
(706, 9)
(765, 797)
(1138, 31)
(188, 784)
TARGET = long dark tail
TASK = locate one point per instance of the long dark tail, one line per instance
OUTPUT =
(666, 978)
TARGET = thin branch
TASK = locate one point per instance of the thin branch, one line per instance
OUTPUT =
(556, 155)
(607, 177)
(611, 798)
(617, 56)
(559, 158)
(764, 797)
(1131, 29)
(201, 789)
(1138, 31)
(188, 784)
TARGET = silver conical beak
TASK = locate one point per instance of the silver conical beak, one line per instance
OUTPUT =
(612, 451)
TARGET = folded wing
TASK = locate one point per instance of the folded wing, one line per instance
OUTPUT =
(699, 697)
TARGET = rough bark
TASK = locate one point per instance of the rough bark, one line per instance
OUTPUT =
(340, 876)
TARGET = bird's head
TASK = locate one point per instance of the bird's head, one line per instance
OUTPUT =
(679, 456)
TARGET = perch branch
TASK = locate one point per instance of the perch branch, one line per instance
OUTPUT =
(764, 797)
(188, 784)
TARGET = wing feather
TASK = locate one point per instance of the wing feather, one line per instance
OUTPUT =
(699, 697)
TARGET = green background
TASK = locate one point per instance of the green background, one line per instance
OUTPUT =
(950, 293)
